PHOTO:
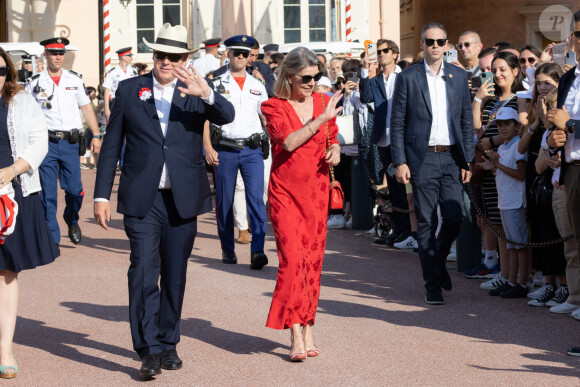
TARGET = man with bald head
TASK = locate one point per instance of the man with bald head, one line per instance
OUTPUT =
(470, 46)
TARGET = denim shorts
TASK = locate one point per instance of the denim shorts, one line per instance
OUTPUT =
(515, 226)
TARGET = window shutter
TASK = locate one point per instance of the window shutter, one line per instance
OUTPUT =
(207, 21)
(267, 21)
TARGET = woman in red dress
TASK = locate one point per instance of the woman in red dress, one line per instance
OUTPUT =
(299, 123)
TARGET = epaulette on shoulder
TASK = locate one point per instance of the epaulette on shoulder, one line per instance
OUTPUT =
(32, 78)
(77, 74)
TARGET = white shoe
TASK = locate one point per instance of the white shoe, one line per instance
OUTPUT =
(336, 221)
(409, 243)
(537, 293)
(539, 279)
(372, 230)
(494, 283)
(564, 308)
(576, 314)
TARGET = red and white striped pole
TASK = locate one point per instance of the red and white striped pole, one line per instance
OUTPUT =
(107, 35)
(347, 14)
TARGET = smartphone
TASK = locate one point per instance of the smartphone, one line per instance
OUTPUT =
(484, 77)
(372, 52)
(450, 56)
(475, 82)
(351, 76)
(558, 55)
(571, 58)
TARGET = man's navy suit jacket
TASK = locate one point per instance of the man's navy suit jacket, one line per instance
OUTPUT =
(136, 121)
(411, 116)
(373, 90)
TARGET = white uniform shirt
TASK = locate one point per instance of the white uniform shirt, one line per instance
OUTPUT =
(66, 98)
(206, 64)
(511, 192)
(247, 104)
(572, 104)
(117, 75)
(440, 133)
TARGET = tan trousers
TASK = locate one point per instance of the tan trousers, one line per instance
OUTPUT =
(572, 192)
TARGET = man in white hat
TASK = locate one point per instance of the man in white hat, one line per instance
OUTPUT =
(162, 190)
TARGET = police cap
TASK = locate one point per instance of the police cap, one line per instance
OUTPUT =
(214, 42)
(55, 44)
(240, 42)
(271, 47)
(26, 58)
(124, 51)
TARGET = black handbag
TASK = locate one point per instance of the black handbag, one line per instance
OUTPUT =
(542, 188)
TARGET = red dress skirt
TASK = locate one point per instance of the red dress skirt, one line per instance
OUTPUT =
(298, 197)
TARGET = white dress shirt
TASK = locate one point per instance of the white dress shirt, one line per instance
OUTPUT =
(440, 133)
(572, 104)
(163, 96)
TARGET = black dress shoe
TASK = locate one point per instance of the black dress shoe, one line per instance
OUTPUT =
(170, 360)
(229, 257)
(381, 241)
(75, 234)
(445, 279)
(434, 296)
(151, 365)
(258, 260)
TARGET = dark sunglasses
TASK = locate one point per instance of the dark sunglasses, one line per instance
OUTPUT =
(440, 42)
(174, 58)
(243, 53)
(461, 45)
(56, 53)
(384, 51)
(4, 71)
(531, 60)
(577, 34)
(308, 78)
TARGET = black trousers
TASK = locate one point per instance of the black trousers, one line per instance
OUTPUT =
(161, 243)
(398, 195)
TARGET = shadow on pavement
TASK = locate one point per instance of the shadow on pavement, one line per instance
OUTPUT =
(116, 313)
(60, 342)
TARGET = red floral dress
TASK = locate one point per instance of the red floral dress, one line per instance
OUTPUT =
(298, 196)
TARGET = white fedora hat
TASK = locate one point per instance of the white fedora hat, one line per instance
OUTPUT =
(171, 39)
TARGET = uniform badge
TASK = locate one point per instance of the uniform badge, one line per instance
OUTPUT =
(59, 40)
(450, 75)
(244, 38)
(182, 95)
(255, 92)
(43, 94)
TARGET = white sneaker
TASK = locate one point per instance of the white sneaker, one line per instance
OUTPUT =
(539, 279)
(576, 314)
(336, 221)
(372, 230)
(564, 308)
(409, 243)
(560, 297)
(494, 283)
(537, 293)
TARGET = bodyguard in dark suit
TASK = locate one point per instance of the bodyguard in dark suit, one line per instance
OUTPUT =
(432, 145)
(379, 89)
(162, 190)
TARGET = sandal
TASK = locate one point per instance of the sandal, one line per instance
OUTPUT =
(312, 352)
(8, 372)
(299, 356)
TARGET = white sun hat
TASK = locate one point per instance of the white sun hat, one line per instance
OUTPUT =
(172, 40)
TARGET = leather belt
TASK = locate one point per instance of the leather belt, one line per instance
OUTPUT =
(440, 148)
(58, 135)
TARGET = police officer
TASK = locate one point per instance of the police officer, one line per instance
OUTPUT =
(240, 149)
(118, 73)
(26, 70)
(60, 93)
(209, 62)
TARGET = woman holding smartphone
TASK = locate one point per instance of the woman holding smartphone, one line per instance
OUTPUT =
(491, 96)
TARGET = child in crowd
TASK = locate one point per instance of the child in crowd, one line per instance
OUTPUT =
(509, 167)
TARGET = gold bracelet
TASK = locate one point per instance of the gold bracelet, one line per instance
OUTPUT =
(16, 171)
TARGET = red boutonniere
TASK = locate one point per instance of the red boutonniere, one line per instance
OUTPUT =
(145, 94)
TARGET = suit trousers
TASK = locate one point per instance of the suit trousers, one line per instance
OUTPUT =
(398, 194)
(250, 163)
(438, 182)
(572, 184)
(161, 243)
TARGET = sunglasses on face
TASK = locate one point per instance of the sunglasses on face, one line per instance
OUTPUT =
(308, 78)
(4, 71)
(577, 34)
(384, 51)
(461, 45)
(531, 60)
(174, 58)
(243, 53)
(440, 42)
(58, 53)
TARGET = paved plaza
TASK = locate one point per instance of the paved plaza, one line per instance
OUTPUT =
(373, 326)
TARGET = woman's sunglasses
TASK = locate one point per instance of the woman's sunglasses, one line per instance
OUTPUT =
(531, 60)
(308, 78)
(243, 53)
(4, 71)
(174, 58)
(440, 42)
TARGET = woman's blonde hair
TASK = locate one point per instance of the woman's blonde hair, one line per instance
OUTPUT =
(295, 61)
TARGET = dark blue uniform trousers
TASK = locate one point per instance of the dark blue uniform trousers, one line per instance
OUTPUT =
(61, 163)
(161, 243)
(438, 181)
(250, 162)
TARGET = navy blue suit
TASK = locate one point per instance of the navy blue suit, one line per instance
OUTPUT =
(435, 177)
(161, 224)
(373, 90)
(563, 88)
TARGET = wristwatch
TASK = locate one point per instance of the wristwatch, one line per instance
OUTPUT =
(570, 124)
(100, 136)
